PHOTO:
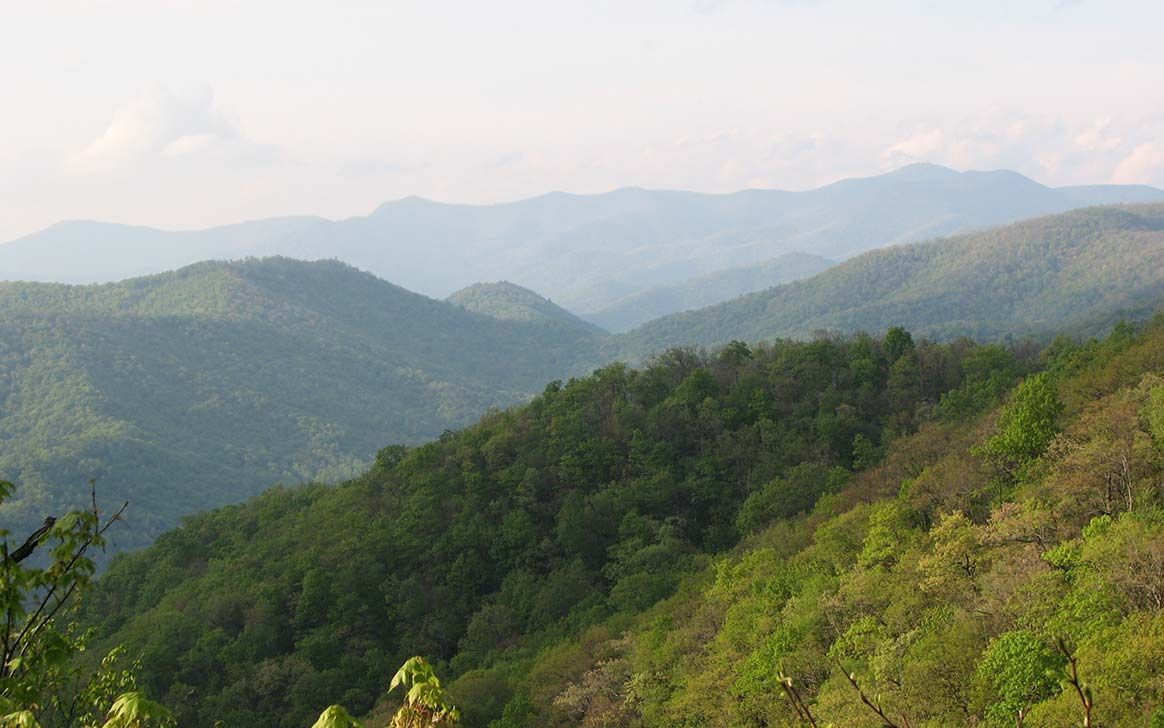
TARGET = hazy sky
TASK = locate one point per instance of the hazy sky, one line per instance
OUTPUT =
(183, 114)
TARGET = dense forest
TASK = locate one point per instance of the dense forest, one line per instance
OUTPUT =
(1080, 271)
(847, 531)
(997, 570)
(202, 387)
(696, 542)
(536, 523)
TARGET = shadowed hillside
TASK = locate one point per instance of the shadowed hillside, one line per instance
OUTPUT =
(201, 387)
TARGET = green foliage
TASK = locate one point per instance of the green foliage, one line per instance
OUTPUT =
(1077, 272)
(898, 342)
(220, 379)
(642, 306)
(591, 502)
(425, 702)
(785, 497)
(670, 546)
(1155, 415)
(1028, 422)
(336, 717)
(132, 710)
(1157, 719)
(1022, 670)
(942, 617)
(42, 680)
(988, 373)
(508, 302)
(20, 719)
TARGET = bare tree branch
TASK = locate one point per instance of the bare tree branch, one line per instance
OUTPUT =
(32, 542)
(873, 705)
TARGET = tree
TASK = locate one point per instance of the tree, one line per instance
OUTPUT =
(898, 342)
(1027, 424)
(1021, 670)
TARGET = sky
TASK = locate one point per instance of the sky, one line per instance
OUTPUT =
(183, 114)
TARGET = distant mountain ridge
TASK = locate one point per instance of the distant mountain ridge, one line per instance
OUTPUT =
(1079, 271)
(587, 251)
(643, 306)
(88, 251)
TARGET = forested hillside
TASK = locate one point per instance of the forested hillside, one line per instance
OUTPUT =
(193, 389)
(1079, 271)
(593, 500)
(760, 537)
(997, 571)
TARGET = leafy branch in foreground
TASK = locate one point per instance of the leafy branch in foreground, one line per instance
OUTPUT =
(425, 703)
(41, 682)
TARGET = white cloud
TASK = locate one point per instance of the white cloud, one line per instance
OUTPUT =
(1145, 165)
(922, 144)
(163, 124)
(1052, 149)
(1098, 138)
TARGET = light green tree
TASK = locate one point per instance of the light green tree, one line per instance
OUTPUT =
(1021, 670)
(1029, 421)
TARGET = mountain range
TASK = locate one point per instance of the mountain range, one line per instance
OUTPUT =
(593, 253)
(195, 388)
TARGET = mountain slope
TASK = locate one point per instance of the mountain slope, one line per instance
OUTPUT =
(941, 581)
(1077, 271)
(587, 250)
(639, 308)
(543, 518)
(201, 387)
(654, 548)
